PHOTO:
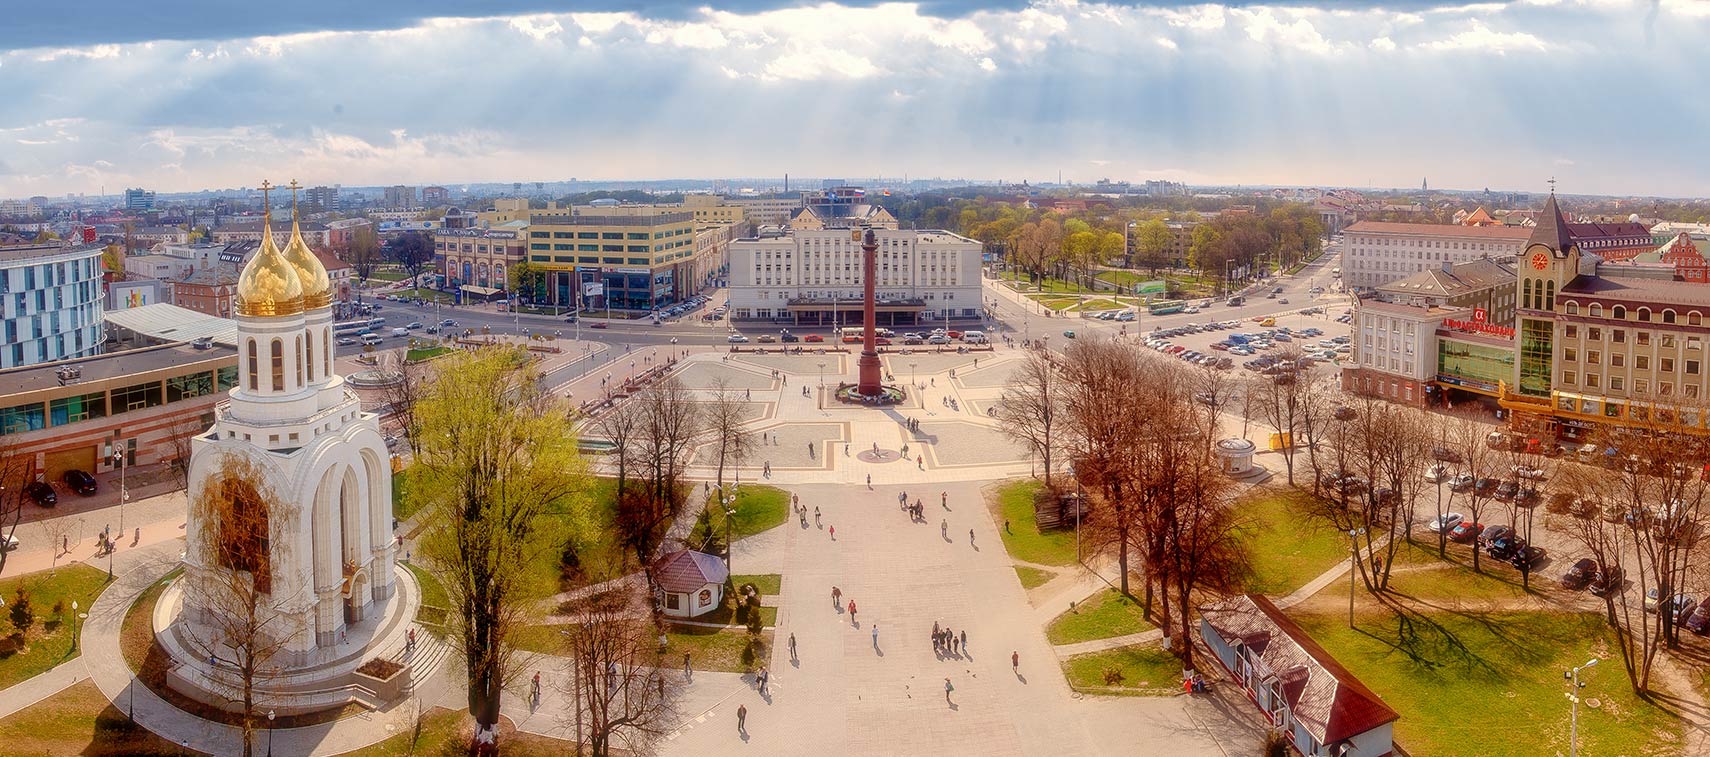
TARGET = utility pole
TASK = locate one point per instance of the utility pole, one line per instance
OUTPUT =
(1573, 696)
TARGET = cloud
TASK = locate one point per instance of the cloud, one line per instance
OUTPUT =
(1250, 93)
(1479, 38)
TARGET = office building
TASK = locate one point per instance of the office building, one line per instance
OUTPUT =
(50, 304)
(1379, 252)
(139, 199)
(767, 211)
(631, 257)
(480, 257)
(713, 209)
(249, 230)
(323, 197)
(814, 277)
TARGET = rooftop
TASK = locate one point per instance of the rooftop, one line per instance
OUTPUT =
(1325, 698)
(1612, 285)
(1501, 233)
(1410, 311)
(30, 252)
(173, 323)
(1461, 278)
(112, 365)
(687, 570)
(658, 219)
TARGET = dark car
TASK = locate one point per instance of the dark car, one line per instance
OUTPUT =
(788, 337)
(80, 482)
(1506, 548)
(1607, 580)
(1699, 621)
(1495, 532)
(1465, 532)
(1526, 557)
(1579, 576)
(1485, 487)
(1507, 490)
(1446, 455)
(1683, 605)
(41, 493)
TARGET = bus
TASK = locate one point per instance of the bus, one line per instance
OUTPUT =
(352, 328)
(1166, 307)
(852, 334)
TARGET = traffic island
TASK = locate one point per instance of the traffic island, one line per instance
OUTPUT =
(887, 395)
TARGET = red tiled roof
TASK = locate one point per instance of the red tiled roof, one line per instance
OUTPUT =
(1441, 229)
(687, 570)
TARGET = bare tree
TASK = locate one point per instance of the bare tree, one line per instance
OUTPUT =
(1104, 408)
(724, 420)
(624, 691)
(58, 531)
(1030, 409)
(1283, 402)
(182, 431)
(17, 470)
(1467, 437)
(241, 626)
(402, 395)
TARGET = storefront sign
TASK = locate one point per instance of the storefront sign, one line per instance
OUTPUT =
(1478, 327)
(1444, 378)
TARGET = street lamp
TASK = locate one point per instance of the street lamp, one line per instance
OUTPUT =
(74, 630)
(912, 378)
(1353, 567)
(822, 375)
(1573, 696)
(118, 461)
(269, 733)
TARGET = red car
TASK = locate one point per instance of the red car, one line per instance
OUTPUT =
(953, 334)
(1465, 532)
(813, 338)
(879, 340)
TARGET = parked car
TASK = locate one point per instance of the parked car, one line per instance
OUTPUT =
(1507, 490)
(1445, 455)
(1580, 574)
(1439, 473)
(1492, 534)
(1070, 334)
(9, 544)
(1683, 605)
(1446, 521)
(1607, 580)
(1505, 548)
(1699, 621)
(1461, 483)
(1526, 557)
(80, 482)
(1485, 486)
(1464, 532)
(41, 493)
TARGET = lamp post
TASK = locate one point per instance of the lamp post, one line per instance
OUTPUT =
(1573, 696)
(269, 733)
(1353, 568)
(725, 500)
(822, 376)
(74, 630)
(913, 379)
(124, 493)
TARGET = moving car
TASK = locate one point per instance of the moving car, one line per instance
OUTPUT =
(80, 482)
(736, 339)
(813, 338)
(41, 493)
(788, 337)
(767, 339)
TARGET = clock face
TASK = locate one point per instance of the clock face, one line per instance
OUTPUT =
(1540, 261)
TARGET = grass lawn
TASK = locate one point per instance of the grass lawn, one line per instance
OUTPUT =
(447, 732)
(1033, 578)
(769, 584)
(49, 640)
(435, 602)
(425, 294)
(388, 276)
(758, 508)
(1014, 505)
(1146, 669)
(1045, 284)
(79, 720)
(1125, 278)
(1420, 574)
(1106, 614)
(402, 505)
(713, 649)
(1098, 304)
(1287, 546)
(424, 353)
(1054, 302)
(1456, 678)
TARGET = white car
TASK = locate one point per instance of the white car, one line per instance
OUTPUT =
(736, 339)
(1445, 522)
(1438, 472)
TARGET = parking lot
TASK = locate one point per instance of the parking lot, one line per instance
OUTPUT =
(1253, 345)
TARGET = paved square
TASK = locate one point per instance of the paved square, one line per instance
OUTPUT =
(705, 375)
(964, 443)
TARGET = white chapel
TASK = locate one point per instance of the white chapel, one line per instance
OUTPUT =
(329, 555)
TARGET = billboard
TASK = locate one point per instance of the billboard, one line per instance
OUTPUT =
(593, 289)
(1149, 287)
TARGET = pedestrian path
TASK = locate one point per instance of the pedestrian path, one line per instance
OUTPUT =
(26, 693)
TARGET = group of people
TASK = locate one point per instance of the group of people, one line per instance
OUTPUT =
(948, 642)
(801, 511)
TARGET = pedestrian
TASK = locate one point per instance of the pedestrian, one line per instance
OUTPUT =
(947, 689)
(964, 640)
(869, 482)
(834, 533)
(970, 536)
(686, 673)
(1015, 662)
(944, 500)
(792, 645)
(537, 687)
(765, 675)
(816, 515)
(742, 719)
(1006, 526)
(875, 635)
(852, 613)
(944, 529)
(836, 599)
(920, 462)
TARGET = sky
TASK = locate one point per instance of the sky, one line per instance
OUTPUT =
(1606, 96)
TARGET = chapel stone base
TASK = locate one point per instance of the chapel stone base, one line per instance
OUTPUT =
(323, 678)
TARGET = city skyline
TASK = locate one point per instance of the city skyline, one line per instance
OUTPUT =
(1503, 95)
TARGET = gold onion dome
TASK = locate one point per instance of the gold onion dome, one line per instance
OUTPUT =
(317, 286)
(269, 285)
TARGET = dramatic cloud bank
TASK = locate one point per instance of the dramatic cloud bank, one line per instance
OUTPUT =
(1602, 94)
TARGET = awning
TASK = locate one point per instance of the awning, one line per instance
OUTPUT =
(172, 323)
(480, 290)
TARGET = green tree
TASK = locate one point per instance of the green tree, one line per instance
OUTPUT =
(1152, 244)
(497, 470)
(529, 280)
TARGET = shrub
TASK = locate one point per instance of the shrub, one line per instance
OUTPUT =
(23, 615)
(756, 624)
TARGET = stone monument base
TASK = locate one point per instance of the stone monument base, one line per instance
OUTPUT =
(327, 680)
(888, 395)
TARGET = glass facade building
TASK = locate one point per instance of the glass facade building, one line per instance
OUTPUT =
(50, 304)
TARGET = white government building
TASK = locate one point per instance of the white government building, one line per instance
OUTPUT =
(813, 277)
(1376, 253)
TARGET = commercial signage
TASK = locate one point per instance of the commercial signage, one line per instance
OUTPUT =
(593, 289)
(1478, 327)
(1479, 315)
(1444, 378)
(483, 233)
(630, 270)
(1149, 287)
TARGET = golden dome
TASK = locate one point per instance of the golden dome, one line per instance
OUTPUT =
(269, 285)
(317, 286)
